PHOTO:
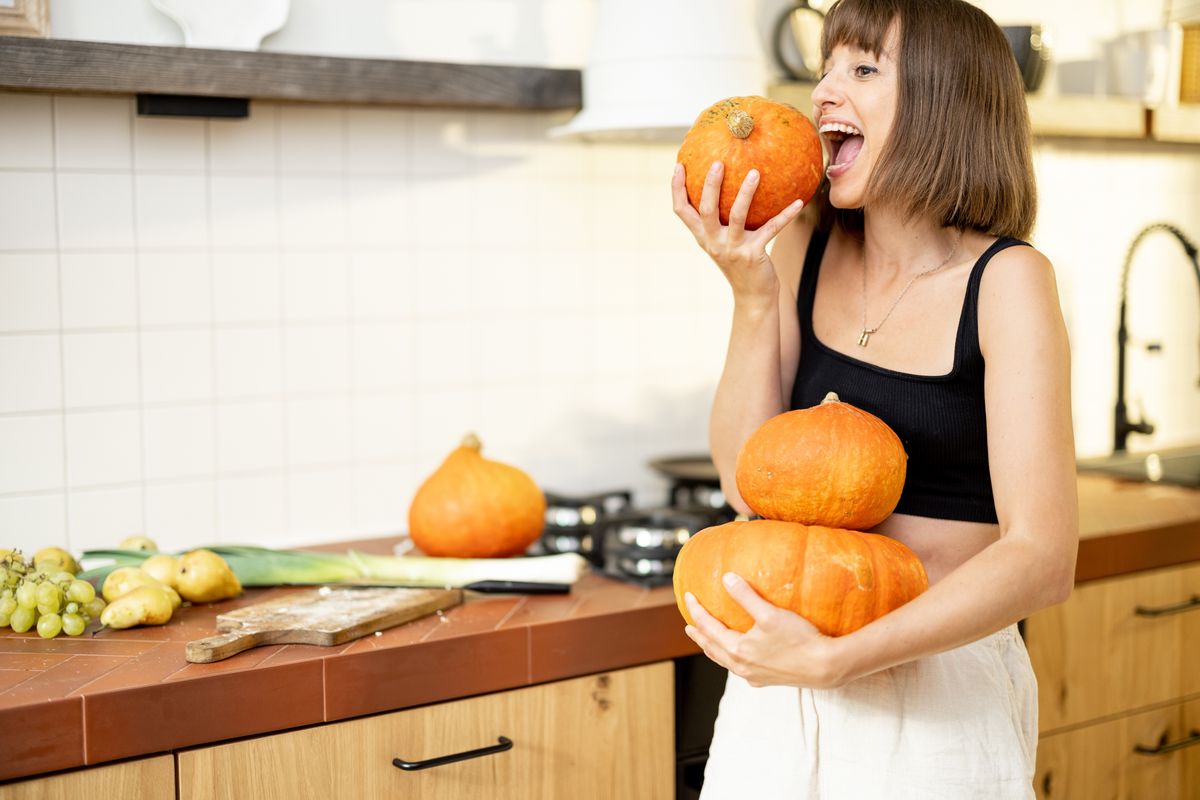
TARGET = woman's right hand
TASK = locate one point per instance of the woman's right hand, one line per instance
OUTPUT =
(740, 254)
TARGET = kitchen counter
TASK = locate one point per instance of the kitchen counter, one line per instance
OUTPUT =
(66, 702)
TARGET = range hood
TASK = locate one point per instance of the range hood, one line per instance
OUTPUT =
(656, 64)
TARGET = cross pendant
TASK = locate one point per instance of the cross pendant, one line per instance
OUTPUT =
(865, 337)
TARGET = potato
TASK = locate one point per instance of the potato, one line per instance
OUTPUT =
(145, 605)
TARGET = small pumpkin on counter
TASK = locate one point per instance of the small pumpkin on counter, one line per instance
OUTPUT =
(839, 580)
(745, 133)
(473, 507)
(832, 464)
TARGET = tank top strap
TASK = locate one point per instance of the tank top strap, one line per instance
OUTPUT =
(968, 334)
(807, 292)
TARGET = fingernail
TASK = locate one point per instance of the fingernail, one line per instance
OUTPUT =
(689, 597)
(678, 169)
(752, 175)
(715, 168)
(729, 579)
(796, 204)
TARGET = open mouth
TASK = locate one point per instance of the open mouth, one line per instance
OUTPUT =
(845, 143)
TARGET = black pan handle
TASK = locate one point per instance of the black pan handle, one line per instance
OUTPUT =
(1162, 611)
(504, 744)
(1164, 748)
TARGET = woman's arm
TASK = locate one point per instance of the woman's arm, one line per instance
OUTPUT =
(1031, 566)
(750, 388)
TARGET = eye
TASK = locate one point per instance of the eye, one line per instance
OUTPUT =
(864, 70)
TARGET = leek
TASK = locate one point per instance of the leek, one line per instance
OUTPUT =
(262, 566)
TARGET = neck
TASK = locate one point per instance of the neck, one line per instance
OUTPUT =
(901, 248)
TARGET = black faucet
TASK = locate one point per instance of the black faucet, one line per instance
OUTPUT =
(1122, 426)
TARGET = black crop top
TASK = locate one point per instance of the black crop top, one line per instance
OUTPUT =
(940, 418)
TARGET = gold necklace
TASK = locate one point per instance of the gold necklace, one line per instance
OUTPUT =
(864, 338)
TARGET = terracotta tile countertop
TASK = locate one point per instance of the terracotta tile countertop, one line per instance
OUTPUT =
(67, 702)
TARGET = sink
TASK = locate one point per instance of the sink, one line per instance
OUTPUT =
(1179, 466)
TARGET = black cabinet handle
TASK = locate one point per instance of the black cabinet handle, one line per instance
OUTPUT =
(1165, 748)
(504, 744)
(1162, 611)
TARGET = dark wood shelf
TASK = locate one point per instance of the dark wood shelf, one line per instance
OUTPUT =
(66, 66)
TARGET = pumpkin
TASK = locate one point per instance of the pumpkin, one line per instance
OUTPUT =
(838, 580)
(745, 133)
(472, 507)
(832, 464)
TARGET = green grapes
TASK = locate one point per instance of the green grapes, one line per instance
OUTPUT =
(49, 625)
(22, 619)
(54, 601)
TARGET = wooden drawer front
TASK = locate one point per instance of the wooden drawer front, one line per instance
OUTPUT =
(145, 779)
(1095, 656)
(602, 736)
(1099, 760)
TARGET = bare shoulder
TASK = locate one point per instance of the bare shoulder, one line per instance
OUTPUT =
(1018, 299)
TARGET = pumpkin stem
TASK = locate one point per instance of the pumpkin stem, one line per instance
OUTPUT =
(471, 442)
(740, 123)
(831, 398)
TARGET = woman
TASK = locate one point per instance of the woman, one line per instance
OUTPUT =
(912, 295)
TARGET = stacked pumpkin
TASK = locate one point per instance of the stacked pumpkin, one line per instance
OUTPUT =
(819, 477)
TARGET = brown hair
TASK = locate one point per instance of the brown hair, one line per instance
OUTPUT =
(960, 147)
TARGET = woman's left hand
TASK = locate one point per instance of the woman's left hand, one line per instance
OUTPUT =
(782, 648)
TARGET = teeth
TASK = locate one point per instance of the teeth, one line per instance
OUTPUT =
(840, 127)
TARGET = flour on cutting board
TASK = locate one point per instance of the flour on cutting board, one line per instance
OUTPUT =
(326, 609)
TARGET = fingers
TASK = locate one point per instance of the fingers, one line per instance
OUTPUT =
(679, 202)
(710, 196)
(741, 203)
(759, 609)
(775, 224)
(709, 626)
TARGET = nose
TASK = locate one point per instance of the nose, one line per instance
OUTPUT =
(825, 94)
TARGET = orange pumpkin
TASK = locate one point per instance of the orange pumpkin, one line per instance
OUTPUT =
(832, 464)
(838, 580)
(472, 507)
(745, 133)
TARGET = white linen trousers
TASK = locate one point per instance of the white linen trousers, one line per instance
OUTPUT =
(959, 725)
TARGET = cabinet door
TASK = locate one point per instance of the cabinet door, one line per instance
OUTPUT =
(601, 736)
(1105, 651)
(1189, 667)
(1100, 761)
(145, 779)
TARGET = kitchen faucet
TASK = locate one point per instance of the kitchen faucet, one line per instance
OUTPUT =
(1122, 426)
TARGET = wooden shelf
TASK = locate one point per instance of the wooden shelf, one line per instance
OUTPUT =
(61, 65)
(1177, 123)
(1088, 117)
(1064, 116)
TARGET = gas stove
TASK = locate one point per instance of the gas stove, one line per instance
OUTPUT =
(638, 545)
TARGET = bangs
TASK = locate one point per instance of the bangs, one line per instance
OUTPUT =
(862, 24)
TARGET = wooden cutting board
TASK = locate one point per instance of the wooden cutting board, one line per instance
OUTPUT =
(324, 616)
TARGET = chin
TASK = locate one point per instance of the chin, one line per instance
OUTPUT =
(845, 198)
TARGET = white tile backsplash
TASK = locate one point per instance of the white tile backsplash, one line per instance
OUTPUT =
(175, 289)
(250, 436)
(177, 365)
(93, 132)
(31, 373)
(175, 144)
(32, 453)
(28, 125)
(103, 447)
(95, 210)
(101, 369)
(179, 442)
(101, 518)
(29, 292)
(27, 211)
(172, 210)
(272, 330)
(99, 290)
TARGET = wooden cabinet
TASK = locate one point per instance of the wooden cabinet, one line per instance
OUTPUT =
(144, 779)
(1118, 668)
(601, 736)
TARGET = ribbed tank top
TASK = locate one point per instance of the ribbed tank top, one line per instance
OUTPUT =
(941, 419)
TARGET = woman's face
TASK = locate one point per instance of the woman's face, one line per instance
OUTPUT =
(854, 106)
